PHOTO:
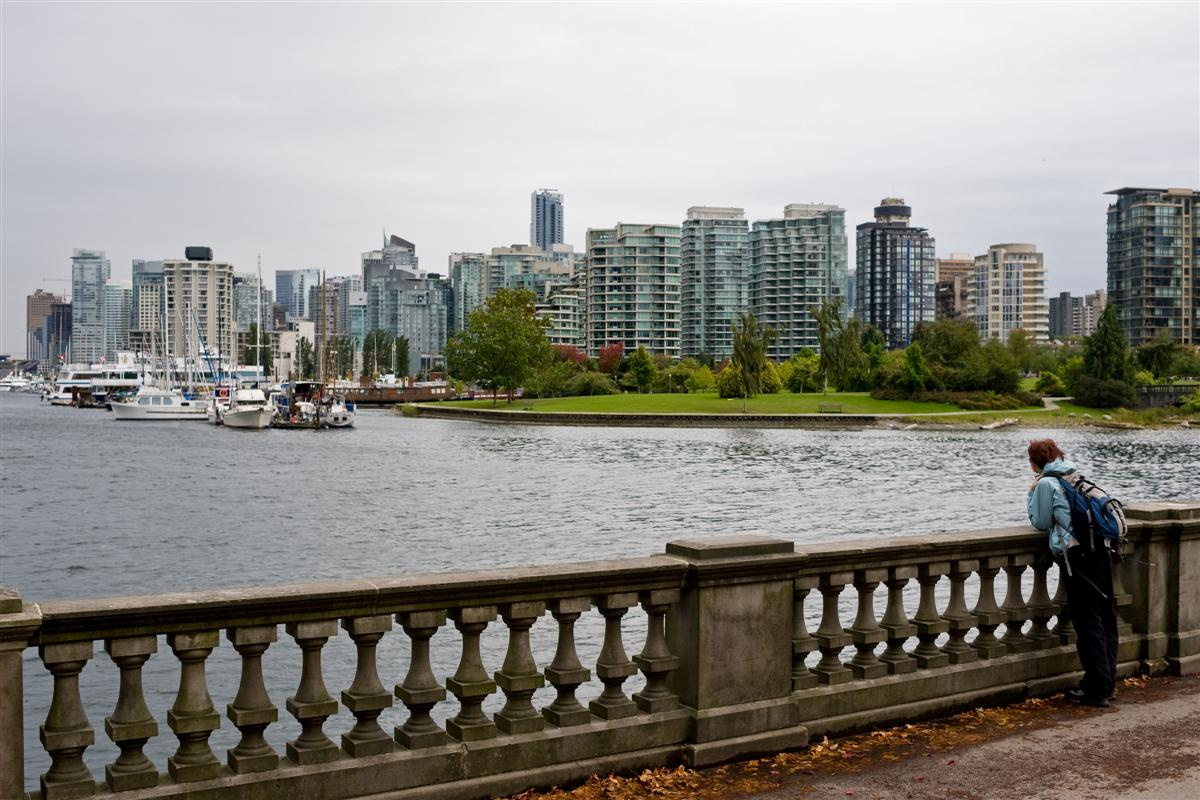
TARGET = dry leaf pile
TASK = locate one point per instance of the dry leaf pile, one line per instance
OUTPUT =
(827, 757)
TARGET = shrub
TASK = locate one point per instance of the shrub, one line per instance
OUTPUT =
(590, 383)
(970, 401)
(770, 382)
(1191, 403)
(1143, 377)
(1050, 385)
(729, 382)
(1101, 393)
(701, 380)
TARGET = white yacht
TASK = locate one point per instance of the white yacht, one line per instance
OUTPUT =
(337, 413)
(153, 403)
(248, 408)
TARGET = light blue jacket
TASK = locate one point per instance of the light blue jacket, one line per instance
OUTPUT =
(1049, 509)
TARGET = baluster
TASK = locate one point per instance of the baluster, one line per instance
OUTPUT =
(929, 623)
(1123, 600)
(613, 666)
(192, 717)
(420, 691)
(130, 726)
(311, 705)
(565, 672)
(830, 636)
(519, 676)
(366, 698)
(958, 618)
(1040, 606)
(251, 710)
(471, 684)
(1014, 607)
(655, 660)
(1063, 629)
(895, 623)
(987, 613)
(66, 733)
(865, 632)
(803, 642)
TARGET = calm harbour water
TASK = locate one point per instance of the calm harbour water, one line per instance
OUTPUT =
(91, 507)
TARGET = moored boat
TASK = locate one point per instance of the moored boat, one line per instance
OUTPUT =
(248, 408)
(153, 403)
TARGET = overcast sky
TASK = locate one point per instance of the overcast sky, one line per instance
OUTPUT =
(301, 131)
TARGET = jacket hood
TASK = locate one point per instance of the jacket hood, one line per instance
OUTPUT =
(1059, 466)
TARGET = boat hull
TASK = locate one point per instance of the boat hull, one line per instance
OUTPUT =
(133, 412)
(257, 417)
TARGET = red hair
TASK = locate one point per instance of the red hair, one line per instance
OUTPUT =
(1043, 451)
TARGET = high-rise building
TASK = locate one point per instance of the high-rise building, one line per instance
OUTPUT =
(146, 306)
(896, 273)
(797, 263)
(952, 293)
(117, 299)
(404, 302)
(468, 287)
(633, 288)
(199, 308)
(524, 266)
(563, 307)
(90, 271)
(1153, 242)
(37, 307)
(545, 218)
(1009, 293)
(53, 337)
(713, 288)
(292, 287)
(1073, 315)
(250, 299)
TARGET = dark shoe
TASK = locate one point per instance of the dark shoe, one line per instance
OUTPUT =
(1075, 694)
(1083, 699)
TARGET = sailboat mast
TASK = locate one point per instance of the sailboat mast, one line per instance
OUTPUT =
(259, 331)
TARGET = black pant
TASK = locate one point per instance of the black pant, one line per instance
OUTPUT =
(1092, 608)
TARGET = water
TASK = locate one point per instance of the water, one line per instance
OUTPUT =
(92, 507)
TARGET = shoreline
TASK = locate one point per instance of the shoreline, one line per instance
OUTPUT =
(836, 421)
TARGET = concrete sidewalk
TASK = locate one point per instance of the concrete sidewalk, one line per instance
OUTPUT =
(1146, 746)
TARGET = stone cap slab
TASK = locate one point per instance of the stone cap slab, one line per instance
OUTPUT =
(735, 546)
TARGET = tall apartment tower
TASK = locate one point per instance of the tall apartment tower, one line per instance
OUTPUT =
(292, 287)
(117, 299)
(796, 264)
(633, 288)
(1073, 315)
(1009, 292)
(90, 271)
(545, 218)
(468, 287)
(199, 303)
(1152, 246)
(713, 268)
(250, 298)
(896, 273)
(38, 307)
(405, 302)
(147, 304)
(952, 292)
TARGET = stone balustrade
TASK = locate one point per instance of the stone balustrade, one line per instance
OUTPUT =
(750, 646)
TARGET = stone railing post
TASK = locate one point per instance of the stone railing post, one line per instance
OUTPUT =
(130, 725)
(470, 682)
(958, 618)
(192, 718)
(252, 710)
(1041, 607)
(613, 666)
(737, 599)
(895, 623)
(1064, 631)
(311, 705)
(67, 733)
(1163, 576)
(928, 622)
(803, 642)
(566, 673)
(366, 698)
(831, 636)
(420, 691)
(866, 632)
(987, 614)
(1016, 612)
(518, 676)
(19, 623)
(656, 661)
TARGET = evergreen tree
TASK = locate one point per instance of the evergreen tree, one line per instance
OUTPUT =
(1106, 353)
(642, 368)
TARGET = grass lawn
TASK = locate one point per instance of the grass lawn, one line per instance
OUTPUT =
(1069, 414)
(710, 403)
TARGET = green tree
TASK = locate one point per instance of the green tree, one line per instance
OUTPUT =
(642, 369)
(551, 379)
(305, 364)
(916, 371)
(701, 380)
(1021, 348)
(801, 370)
(842, 358)
(947, 342)
(1050, 385)
(1106, 353)
(750, 343)
(503, 344)
(1157, 356)
(260, 355)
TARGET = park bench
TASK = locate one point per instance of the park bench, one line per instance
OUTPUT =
(829, 408)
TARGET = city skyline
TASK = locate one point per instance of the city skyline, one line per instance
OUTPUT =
(279, 154)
